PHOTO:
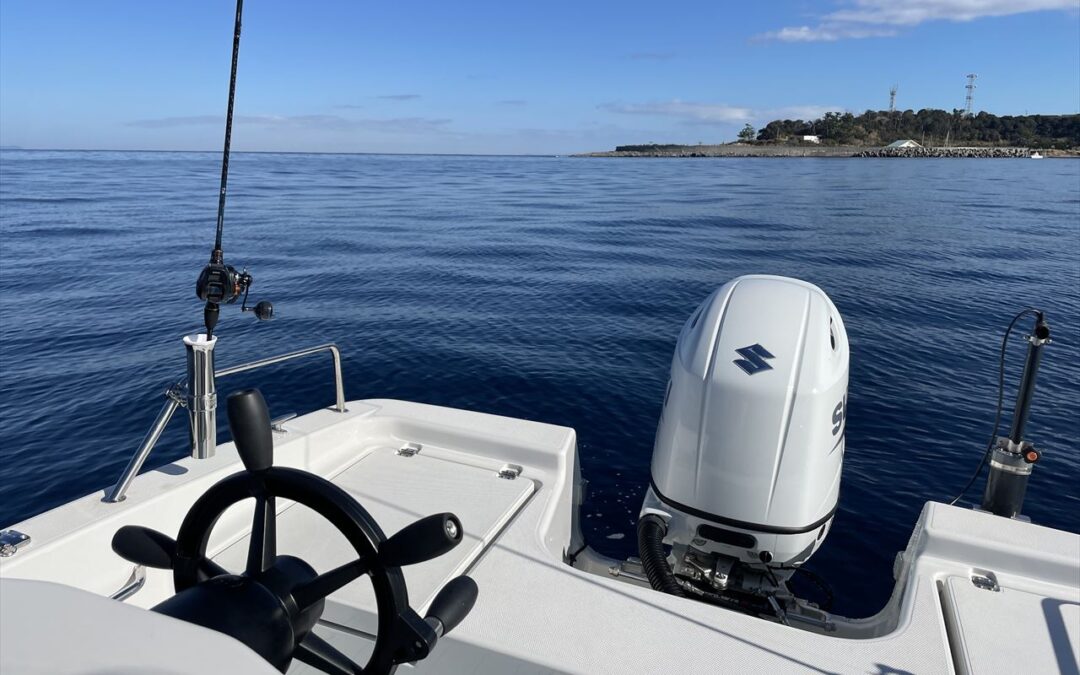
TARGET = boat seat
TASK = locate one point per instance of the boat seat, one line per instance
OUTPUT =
(97, 635)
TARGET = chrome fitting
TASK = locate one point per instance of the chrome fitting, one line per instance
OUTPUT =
(201, 395)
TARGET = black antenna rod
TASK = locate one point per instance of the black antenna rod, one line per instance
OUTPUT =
(228, 128)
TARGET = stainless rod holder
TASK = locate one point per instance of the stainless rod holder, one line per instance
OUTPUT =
(202, 395)
(200, 398)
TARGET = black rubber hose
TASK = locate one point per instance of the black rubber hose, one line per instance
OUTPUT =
(650, 536)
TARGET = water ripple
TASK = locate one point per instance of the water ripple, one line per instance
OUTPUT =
(546, 289)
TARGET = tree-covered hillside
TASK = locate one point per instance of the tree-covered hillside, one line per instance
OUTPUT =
(931, 127)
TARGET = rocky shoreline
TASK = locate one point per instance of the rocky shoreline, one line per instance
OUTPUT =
(1022, 153)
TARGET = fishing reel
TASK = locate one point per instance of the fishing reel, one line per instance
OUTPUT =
(220, 284)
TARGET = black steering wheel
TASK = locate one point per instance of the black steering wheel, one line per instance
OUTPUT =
(273, 606)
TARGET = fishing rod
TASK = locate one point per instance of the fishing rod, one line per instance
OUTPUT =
(219, 283)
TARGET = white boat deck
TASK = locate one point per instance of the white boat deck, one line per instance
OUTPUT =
(537, 614)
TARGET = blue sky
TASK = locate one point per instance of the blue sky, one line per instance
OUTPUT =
(508, 77)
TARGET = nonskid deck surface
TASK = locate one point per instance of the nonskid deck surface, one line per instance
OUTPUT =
(398, 489)
(536, 613)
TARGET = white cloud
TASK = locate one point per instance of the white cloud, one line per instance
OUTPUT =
(882, 18)
(914, 12)
(167, 122)
(715, 114)
(692, 113)
(826, 33)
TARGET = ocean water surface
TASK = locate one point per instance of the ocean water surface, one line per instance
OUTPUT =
(546, 288)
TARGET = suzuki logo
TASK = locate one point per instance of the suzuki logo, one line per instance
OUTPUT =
(753, 359)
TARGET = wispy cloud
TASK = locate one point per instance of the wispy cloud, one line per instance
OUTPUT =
(406, 125)
(913, 12)
(827, 33)
(399, 97)
(512, 102)
(715, 114)
(652, 56)
(885, 18)
(349, 106)
(688, 111)
(168, 122)
(306, 122)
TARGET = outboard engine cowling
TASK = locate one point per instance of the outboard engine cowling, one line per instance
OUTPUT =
(746, 464)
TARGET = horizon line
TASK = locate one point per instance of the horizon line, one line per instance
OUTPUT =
(16, 148)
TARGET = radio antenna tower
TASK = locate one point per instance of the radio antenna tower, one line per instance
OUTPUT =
(892, 99)
(970, 94)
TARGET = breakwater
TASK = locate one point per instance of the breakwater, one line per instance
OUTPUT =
(967, 153)
(808, 150)
(728, 150)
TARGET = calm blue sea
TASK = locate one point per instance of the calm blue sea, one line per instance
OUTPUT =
(546, 288)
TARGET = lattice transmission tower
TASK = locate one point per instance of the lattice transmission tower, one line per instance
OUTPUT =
(892, 99)
(970, 100)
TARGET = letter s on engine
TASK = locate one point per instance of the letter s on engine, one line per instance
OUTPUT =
(839, 415)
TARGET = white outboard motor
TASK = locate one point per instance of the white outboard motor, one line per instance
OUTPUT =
(746, 465)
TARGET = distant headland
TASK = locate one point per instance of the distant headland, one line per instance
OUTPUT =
(926, 133)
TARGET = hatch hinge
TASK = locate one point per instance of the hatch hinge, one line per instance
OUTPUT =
(509, 471)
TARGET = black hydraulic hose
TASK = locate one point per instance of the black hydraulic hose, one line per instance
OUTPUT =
(822, 585)
(650, 536)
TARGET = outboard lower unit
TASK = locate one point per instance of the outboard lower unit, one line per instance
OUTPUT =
(746, 466)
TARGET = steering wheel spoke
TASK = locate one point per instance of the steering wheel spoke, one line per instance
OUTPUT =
(208, 569)
(318, 653)
(151, 548)
(417, 637)
(323, 585)
(263, 546)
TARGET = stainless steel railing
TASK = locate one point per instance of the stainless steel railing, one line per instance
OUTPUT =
(116, 494)
(335, 353)
(178, 396)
